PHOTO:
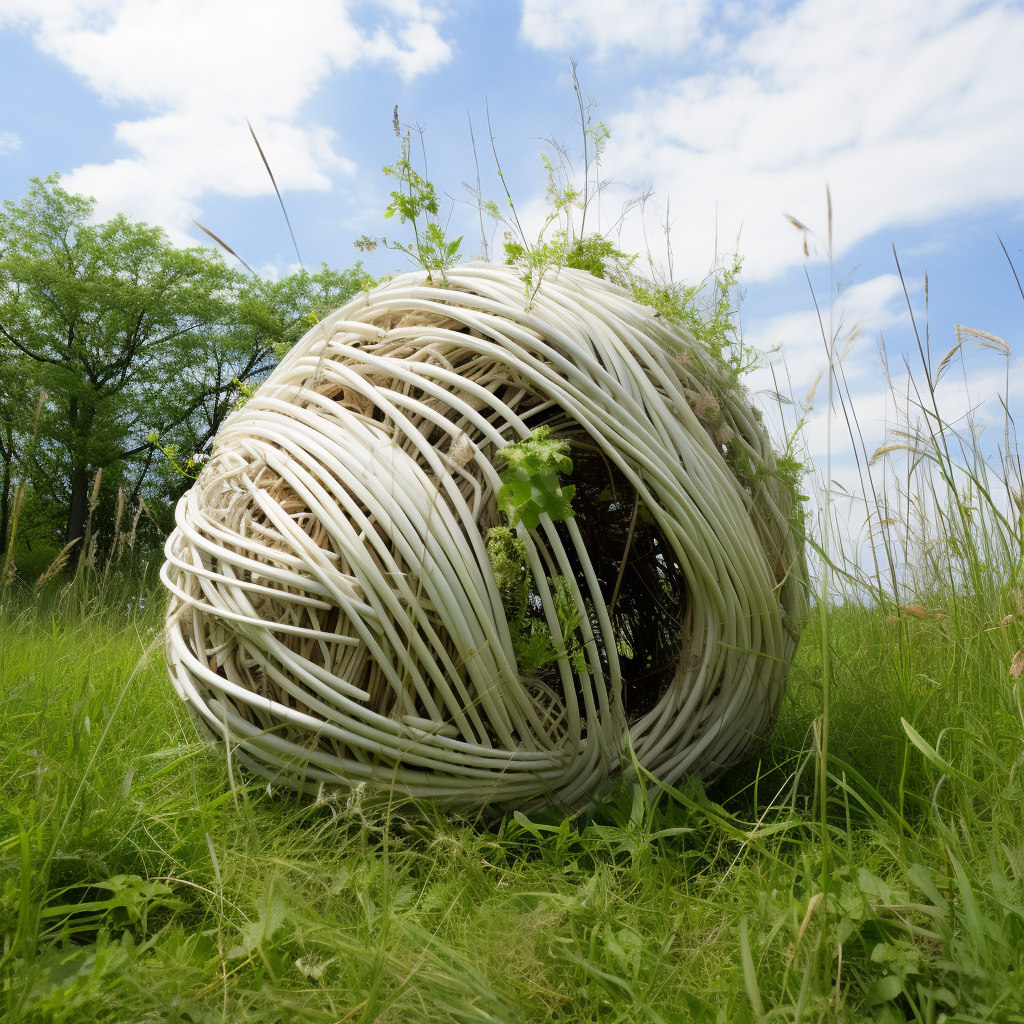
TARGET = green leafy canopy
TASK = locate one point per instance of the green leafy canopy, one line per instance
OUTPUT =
(139, 348)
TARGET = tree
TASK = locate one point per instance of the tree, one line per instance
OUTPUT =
(14, 400)
(266, 319)
(107, 319)
(130, 339)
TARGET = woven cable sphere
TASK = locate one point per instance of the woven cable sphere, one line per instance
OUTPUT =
(338, 615)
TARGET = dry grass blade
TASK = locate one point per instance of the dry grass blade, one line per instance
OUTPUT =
(897, 446)
(130, 539)
(914, 443)
(776, 397)
(40, 401)
(277, 190)
(812, 906)
(919, 612)
(120, 510)
(1013, 269)
(1002, 624)
(949, 355)
(812, 391)
(224, 245)
(802, 228)
(828, 204)
(1017, 665)
(851, 339)
(9, 559)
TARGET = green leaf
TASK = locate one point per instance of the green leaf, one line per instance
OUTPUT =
(531, 485)
(975, 922)
(921, 877)
(749, 974)
(886, 989)
(271, 911)
(932, 754)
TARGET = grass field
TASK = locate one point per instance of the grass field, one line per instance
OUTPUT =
(866, 865)
(138, 885)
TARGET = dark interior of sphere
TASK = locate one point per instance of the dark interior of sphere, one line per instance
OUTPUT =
(646, 581)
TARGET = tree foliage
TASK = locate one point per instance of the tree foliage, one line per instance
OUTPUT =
(105, 319)
(130, 339)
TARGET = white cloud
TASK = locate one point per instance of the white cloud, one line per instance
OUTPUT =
(794, 343)
(968, 399)
(796, 361)
(202, 67)
(9, 142)
(651, 26)
(795, 356)
(908, 109)
(875, 402)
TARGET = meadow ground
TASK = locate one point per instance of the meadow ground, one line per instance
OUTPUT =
(141, 884)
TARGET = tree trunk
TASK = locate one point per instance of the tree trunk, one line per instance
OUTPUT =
(5, 508)
(78, 512)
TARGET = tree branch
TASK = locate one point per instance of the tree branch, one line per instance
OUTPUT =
(25, 350)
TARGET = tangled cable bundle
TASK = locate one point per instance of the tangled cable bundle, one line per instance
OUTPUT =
(350, 605)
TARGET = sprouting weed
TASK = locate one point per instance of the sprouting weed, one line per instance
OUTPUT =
(415, 202)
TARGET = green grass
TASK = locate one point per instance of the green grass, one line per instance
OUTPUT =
(139, 885)
(867, 865)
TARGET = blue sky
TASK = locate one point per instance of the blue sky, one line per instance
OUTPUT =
(735, 112)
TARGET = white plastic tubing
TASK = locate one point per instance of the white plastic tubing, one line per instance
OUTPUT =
(334, 616)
